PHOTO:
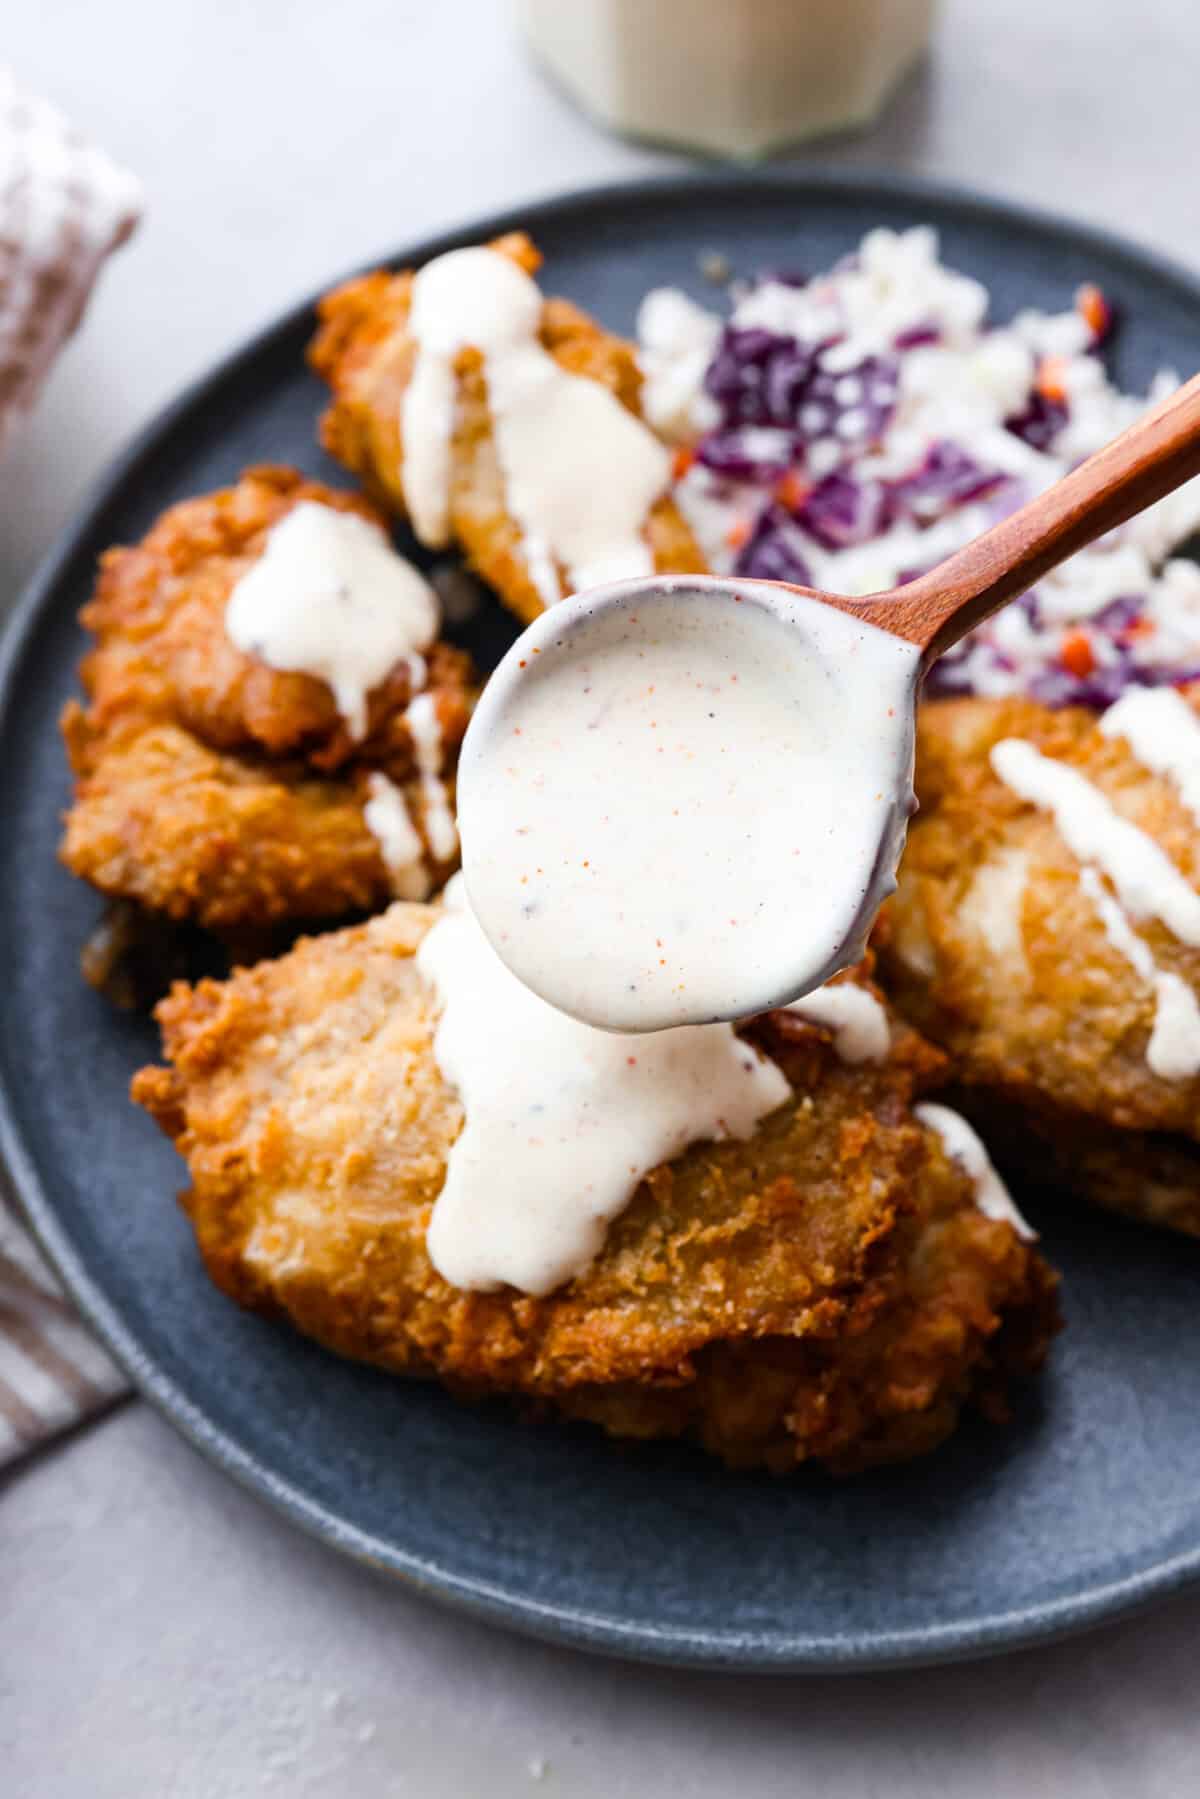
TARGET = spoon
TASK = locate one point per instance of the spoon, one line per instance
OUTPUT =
(683, 799)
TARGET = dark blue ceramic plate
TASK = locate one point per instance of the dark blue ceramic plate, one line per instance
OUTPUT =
(1088, 1506)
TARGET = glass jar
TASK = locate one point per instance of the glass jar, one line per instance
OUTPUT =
(733, 77)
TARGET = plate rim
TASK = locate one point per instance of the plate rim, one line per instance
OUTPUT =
(673, 1646)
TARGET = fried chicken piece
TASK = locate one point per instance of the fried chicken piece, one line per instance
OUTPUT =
(993, 949)
(825, 1290)
(223, 839)
(210, 787)
(162, 651)
(364, 351)
(1153, 1176)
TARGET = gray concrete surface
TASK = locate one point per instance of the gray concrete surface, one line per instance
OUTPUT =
(160, 1634)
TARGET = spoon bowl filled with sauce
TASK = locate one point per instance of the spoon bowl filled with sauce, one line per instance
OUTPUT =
(681, 801)
(684, 799)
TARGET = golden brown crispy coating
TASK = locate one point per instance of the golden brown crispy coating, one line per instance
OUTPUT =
(826, 1290)
(209, 786)
(196, 834)
(363, 350)
(992, 948)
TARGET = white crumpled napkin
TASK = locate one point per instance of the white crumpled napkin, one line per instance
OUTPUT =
(64, 206)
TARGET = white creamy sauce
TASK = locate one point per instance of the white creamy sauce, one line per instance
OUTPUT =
(1164, 734)
(964, 1147)
(678, 807)
(422, 720)
(561, 1121)
(1117, 928)
(855, 1017)
(390, 823)
(329, 597)
(580, 472)
(992, 906)
(1146, 881)
(1173, 1052)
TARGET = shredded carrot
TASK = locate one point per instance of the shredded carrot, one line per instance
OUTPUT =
(1093, 308)
(791, 490)
(683, 460)
(1052, 378)
(1137, 627)
(738, 533)
(1076, 654)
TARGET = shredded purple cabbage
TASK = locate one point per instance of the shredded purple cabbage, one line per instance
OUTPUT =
(777, 397)
(757, 377)
(1040, 421)
(917, 336)
(1031, 606)
(738, 454)
(854, 405)
(1120, 613)
(1057, 687)
(948, 477)
(1005, 499)
(840, 511)
(774, 551)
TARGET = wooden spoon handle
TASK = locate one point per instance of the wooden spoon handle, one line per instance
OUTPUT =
(1156, 454)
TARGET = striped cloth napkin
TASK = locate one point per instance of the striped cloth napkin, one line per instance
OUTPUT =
(53, 1374)
(64, 206)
